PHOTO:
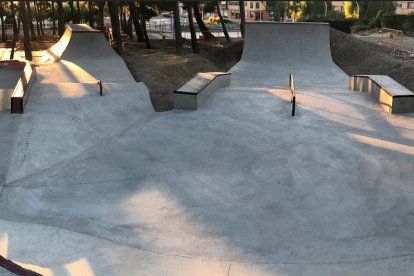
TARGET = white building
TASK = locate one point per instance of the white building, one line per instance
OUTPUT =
(404, 7)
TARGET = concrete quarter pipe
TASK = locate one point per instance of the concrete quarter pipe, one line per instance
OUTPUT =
(105, 186)
(273, 50)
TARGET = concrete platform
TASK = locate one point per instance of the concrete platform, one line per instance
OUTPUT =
(391, 95)
(106, 186)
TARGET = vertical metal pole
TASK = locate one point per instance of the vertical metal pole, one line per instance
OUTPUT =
(100, 87)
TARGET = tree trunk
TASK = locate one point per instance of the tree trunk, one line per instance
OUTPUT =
(116, 31)
(177, 29)
(194, 44)
(123, 19)
(16, 30)
(36, 11)
(61, 18)
(3, 30)
(129, 28)
(226, 34)
(53, 18)
(26, 31)
(19, 22)
(90, 14)
(142, 9)
(72, 11)
(242, 17)
(78, 14)
(204, 30)
(135, 20)
(30, 19)
(100, 21)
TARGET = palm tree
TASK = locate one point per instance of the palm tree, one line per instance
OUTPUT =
(177, 29)
(26, 31)
(242, 17)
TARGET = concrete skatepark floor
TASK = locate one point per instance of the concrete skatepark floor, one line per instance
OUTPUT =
(106, 186)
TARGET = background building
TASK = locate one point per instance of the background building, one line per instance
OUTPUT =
(338, 6)
(404, 7)
(255, 11)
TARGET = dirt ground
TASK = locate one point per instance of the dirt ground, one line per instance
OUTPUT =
(163, 71)
(357, 56)
(377, 37)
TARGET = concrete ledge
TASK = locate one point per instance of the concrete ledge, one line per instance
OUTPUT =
(20, 94)
(391, 95)
(194, 93)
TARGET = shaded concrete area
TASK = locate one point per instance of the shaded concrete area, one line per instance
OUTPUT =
(4, 272)
(9, 123)
(8, 81)
(105, 186)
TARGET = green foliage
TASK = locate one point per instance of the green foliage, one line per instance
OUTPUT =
(351, 9)
(403, 22)
(372, 9)
(343, 25)
(277, 9)
(209, 6)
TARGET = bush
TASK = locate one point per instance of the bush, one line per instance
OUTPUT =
(358, 28)
(404, 22)
(343, 25)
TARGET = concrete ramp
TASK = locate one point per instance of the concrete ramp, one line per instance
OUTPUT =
(67, 91)
(290, 44)
(278, 49)
(87, 57)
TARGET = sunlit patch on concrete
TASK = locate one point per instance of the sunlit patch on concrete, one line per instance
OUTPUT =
(79, 267)
(381, 143)
(4, 243)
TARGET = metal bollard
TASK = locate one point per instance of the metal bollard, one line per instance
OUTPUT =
(293, 93)
(100, 87)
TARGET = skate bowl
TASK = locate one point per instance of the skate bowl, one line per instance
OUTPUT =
(106, 186)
